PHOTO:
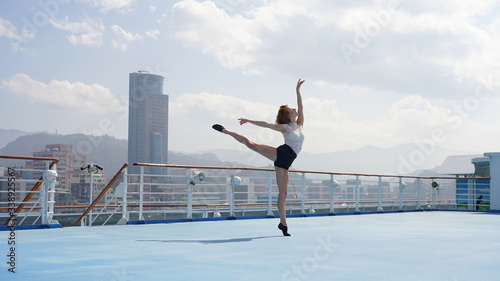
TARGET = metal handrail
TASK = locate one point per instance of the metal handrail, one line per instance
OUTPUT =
(99, 197)
(300, 171)
(30, 158)
(62, 207)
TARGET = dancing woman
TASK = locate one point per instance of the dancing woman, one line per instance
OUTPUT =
(289, 121)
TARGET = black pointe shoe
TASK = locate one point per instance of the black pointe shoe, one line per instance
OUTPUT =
(284, 229)
(218, 127)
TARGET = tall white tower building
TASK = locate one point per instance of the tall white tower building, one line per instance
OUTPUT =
(148, 119)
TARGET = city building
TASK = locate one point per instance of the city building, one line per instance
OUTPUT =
(80, 187)
(69, 163)
(148, 119)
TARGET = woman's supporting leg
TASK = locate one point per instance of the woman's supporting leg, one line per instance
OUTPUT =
(267, 151)
(282, 181)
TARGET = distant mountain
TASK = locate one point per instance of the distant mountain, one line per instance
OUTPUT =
(200, 159)
(405, 159)
(108, 152)
(244, 157)
(7, 136)
(111, 153)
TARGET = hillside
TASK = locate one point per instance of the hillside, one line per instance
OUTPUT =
(106, 151)
(10, 135)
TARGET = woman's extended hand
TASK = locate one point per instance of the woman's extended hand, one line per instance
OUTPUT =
(243, 121)
(300, 117)
(299, 83)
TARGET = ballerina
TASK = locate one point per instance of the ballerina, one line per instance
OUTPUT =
(289, 122)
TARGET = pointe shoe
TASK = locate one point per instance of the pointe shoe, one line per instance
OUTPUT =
(284, 229)
(218, 127)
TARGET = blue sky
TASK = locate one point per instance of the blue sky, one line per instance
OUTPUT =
(377, 73)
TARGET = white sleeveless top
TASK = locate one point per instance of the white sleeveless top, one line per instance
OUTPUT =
(293, 136)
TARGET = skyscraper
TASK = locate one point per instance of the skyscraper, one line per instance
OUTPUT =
(148, 119)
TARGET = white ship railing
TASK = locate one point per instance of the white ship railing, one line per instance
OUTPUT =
(147, 192)
(191, 192)
(37, 204)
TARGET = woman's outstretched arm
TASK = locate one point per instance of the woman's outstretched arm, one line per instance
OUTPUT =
(300, 112)
(276, 127)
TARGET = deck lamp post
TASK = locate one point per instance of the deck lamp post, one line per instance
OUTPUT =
(435, 186)
(91, 168)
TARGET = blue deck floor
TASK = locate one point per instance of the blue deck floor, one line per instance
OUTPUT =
(442, 246)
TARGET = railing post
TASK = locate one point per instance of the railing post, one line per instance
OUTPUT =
(124, 219)
(48, 189)
(379, 208)
(231, 198)
(357, 195)
(333, 185)
(190, 196)
(400, 194)
(124, 199)
(90, 193)
(141, 194)
(418, 194)
(45, 189)
(270, 195)
(51, 196)
(433, 197)
(303, 203)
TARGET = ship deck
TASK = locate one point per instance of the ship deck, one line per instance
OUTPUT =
(391, 246)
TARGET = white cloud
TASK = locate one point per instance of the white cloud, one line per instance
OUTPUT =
(118, 45)
(125, 36)
(231, 40)
(225, 107)
(418, 112)
(8, 30)
(410, 119)
(153, 33)
(417, 47)
(88, 32)
(329, 127)
(123, 6)
(76, 96)
(402, 84)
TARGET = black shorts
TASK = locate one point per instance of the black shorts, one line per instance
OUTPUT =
(285, 156)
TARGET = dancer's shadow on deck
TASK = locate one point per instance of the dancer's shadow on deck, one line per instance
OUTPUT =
(214, 241)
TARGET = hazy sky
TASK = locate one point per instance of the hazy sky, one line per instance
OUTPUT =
(377, 73)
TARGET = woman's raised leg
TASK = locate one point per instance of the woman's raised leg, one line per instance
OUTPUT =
(265, 150)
